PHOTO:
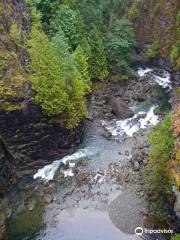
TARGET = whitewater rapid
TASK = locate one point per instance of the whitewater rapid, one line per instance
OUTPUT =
(141, 119)
(47, 172)
(117, 129)
(164, 80)
(132, 125)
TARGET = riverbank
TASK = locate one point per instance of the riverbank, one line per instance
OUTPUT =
(102, 178)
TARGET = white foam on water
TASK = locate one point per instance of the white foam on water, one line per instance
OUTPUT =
(132, 125)
(164, 81)
(72, 164)
(68, 173)
(128, 126)
(47, 172)
(140, 120)
(142, 72)
(151, 119)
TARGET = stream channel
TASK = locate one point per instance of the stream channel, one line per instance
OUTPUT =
(90, 203)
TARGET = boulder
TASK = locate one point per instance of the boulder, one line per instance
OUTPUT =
(119, 107)
(107, 135)
(137, 155)
(136, 166)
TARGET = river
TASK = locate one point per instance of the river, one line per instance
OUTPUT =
(102, 209)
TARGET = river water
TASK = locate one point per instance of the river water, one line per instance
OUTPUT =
(118, 217)
(98, 149)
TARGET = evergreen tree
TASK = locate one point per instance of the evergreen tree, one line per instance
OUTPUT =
(72, 64)
(81, 61)
(119, 47)
(97, 58)
(45, 75)
(70, 24)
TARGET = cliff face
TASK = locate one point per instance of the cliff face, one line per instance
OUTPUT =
(157, 30)
(155, 24)
(6, 168)
(175, 167)
(14, 26)
(32, 138)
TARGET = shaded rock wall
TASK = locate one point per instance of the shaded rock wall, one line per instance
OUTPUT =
(155, 22)
(6, 168)
(32, 138)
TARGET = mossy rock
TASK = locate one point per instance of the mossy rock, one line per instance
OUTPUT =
(27, 224)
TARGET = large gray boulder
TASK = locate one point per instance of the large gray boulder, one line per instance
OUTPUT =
(119, 107)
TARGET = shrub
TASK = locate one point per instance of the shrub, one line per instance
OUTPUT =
(158, 179)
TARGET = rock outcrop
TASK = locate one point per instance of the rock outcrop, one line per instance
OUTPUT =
(155, 24)
(6, 168)
(119, 107)
(32, 138)
(175, 167)
(7, 177)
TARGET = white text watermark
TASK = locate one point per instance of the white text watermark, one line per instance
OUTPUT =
(141, 231)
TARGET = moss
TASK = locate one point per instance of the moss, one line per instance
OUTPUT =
(133, 11)
(15, 33)
(1, 18)
(157, 8)
(156, 21)
(175, 163)
(158, 177)
(12, 70)
(27, 223)
(153, 51)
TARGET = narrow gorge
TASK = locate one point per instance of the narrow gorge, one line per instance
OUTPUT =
(89, 120)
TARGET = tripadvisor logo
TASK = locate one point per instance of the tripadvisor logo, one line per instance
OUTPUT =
(140, 231)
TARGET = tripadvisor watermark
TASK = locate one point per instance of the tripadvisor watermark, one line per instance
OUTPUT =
(140, 231)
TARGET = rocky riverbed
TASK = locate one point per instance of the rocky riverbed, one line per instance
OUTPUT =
(96, 193)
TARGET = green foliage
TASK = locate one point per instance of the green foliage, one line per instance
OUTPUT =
(157, 8)
(176, 237)
(68, 21)
(119, 47)
(15, 33)
(35, 15)
(159, 183)
(97, 59)
(90, 12)
(81, 62)
(27, 223)
(60, 79)
(91, 24)
(79, 88)
(45, 76)
(133, 11)
(45, 8)
(153, 50)
(74, 70)
(62, 66)
(111, 10)
(175, 52)
(178, 19)
(12, 72)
